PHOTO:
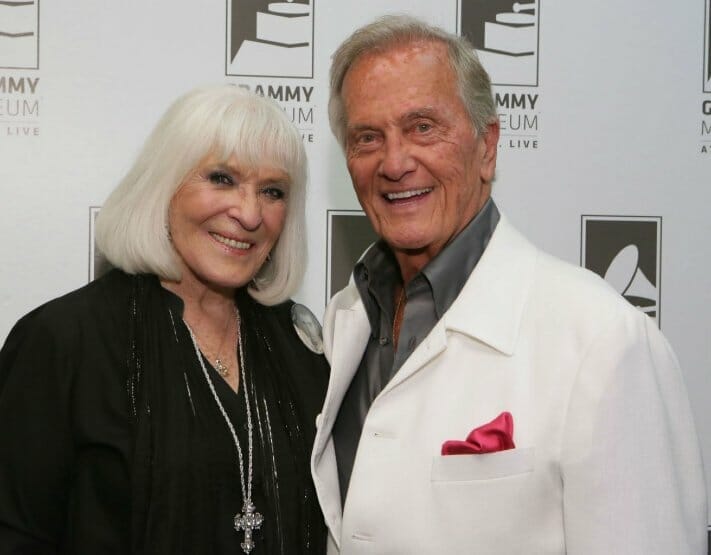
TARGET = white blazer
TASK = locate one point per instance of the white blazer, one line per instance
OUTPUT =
(606, 459)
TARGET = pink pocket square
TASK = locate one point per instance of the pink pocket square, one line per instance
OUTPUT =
(496, 435)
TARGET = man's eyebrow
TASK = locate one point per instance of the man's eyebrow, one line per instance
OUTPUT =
(359, 126)
(425, 112)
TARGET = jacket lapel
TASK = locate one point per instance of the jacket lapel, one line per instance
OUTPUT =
(490, 306)
(350, 333)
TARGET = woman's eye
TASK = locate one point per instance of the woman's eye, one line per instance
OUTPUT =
(274, 193)
(220, 178)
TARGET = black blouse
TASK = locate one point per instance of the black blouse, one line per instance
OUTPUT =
(111, 442)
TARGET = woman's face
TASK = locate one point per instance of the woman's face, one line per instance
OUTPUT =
(225, 219)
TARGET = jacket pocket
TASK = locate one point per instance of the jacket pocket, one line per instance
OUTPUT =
(464, 468)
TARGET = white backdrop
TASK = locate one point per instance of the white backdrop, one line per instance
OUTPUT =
(615, 122)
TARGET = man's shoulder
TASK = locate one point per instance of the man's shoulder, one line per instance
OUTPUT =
(577, 287)
(557, 283)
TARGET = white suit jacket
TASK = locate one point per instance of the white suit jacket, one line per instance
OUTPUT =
(606, 459)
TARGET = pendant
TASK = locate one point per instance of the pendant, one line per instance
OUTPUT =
(307, 328)
(247, 521)
(222, 369)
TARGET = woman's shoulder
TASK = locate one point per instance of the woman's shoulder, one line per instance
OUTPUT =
(99, 298)
(83, 329)
(101, 304)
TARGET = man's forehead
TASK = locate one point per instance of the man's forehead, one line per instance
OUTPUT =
(403, 83)
(398, 53)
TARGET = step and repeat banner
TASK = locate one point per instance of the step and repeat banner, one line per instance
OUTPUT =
(604, 157)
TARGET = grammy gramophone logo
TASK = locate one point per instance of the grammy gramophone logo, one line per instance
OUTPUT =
(707, 47)
(19, 34)
(349, 235)
(626, 252)
(270, 39)
(505, 36)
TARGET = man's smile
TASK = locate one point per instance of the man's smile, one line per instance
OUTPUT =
(407, 194)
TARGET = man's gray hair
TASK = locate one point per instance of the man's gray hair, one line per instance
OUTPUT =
(222, 121)
(391, 31)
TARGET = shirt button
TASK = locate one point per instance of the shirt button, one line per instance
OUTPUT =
(383, 341)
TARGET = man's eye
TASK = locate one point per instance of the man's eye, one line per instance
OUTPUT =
(424, 127)
(366, 138)
(220, 178)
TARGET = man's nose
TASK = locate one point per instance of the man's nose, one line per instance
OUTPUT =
(397, 160)
(246, 208)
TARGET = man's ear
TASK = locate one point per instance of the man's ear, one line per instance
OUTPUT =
(491, 145)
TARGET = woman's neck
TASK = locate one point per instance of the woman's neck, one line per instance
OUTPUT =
(201, 300)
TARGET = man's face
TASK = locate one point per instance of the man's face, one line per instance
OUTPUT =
(418, 168)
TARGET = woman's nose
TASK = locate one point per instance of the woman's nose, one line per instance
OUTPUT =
(246, 208)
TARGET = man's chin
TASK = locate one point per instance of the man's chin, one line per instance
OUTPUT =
(408, 247)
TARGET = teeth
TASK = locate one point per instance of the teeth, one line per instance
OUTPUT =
(231, 242)
(407, 194)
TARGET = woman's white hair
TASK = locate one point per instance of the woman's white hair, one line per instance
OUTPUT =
(391, 31)
(225, 120)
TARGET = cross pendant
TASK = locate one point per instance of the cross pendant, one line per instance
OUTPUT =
(247, 521)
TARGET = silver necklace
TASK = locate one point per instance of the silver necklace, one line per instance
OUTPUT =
(249, 519)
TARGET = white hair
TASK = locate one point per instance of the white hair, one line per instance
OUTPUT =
(225, 120)
(391, 31)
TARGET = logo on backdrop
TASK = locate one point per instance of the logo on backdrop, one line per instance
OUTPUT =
(504, 34)
(19, 41)
(270, 39)
(274, 39)
(705, 138)
(19, 34)
(349, 235)
(626, 252)
(707, 48)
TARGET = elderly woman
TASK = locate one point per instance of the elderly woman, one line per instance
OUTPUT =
(168, 407)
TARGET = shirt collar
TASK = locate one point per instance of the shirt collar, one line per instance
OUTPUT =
(377, 273)
(449, 270)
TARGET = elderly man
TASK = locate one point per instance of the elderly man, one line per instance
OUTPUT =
(485, 397)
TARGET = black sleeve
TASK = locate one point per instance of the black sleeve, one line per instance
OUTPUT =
(35, 437)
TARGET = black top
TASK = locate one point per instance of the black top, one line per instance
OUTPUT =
(111, 441)
(429, 295)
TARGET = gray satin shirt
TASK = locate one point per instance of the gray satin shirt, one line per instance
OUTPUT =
(429, 294)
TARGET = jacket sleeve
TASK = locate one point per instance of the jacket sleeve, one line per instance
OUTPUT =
(630, 460)
(35, 457)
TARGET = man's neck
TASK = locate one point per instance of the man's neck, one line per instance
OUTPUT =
(412, 261)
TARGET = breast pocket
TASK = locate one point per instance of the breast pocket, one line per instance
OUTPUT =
(488, 466)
